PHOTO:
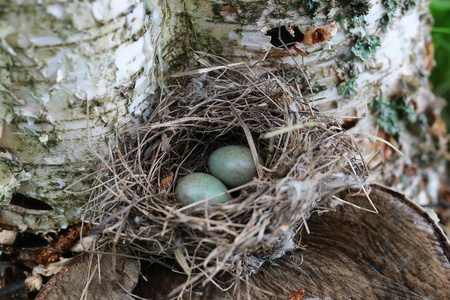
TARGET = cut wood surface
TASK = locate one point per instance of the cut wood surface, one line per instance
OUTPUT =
(114, 281)
(399, 253)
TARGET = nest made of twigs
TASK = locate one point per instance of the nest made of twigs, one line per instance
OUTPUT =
(307, 158)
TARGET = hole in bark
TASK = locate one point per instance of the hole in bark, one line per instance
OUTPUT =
(29, 203)
(319, 36)
(280, 36)
(29, 240)
(349, 123)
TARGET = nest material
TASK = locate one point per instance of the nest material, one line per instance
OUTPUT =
(307, 158)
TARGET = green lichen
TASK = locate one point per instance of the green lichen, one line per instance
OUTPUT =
(391, 6)
(360, 7)
(391, 113)
(348, 88)
(339, 17)
(410, 4)
(355, 7)
(5, 59)
(282, 7)
(384, 21)
(366, 48)
(358, 21)
(313, 5)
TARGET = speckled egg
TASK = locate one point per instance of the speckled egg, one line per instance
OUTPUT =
(233, 165)
(199, 186)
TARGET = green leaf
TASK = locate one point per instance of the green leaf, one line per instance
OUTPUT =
(440, 76)
(441, 30)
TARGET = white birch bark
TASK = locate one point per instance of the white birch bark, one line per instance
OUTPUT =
(110, 58)
(399, 67)
(64, 64)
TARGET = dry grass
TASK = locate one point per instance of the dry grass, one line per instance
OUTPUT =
(307, 156)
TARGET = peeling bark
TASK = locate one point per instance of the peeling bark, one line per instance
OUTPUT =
(382, 50)
(66, 67)
(72, 75)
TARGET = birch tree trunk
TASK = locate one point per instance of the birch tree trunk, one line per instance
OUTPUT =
(69, 70)
(66, 67)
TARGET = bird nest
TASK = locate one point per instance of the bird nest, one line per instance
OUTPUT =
(306, 159)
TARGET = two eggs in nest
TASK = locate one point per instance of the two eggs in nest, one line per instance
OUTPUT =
(230, 166)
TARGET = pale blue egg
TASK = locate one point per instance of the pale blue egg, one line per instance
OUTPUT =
(200, 186)
(233, 165)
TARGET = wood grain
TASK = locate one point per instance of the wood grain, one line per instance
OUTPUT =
(118, 277)
(399, 253)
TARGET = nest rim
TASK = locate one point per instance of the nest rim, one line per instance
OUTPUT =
(239, 235)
